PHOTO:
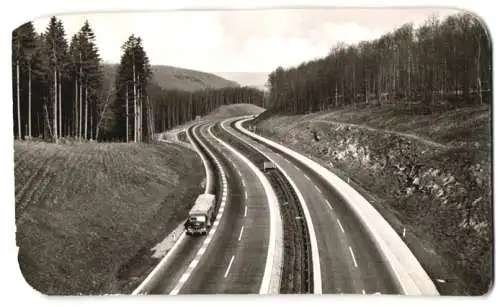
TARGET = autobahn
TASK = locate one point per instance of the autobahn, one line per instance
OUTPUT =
(339, 253)
(234, 260)
(349, 260)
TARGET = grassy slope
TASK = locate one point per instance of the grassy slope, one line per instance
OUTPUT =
(449, 155)
(87, 215)
(234, 110)
(168, 77)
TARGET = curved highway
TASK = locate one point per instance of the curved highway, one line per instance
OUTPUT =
(235, 259)
(243, 254)
(349, 259)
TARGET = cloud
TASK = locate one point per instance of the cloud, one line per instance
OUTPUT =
(239, 41)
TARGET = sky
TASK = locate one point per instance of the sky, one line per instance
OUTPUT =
(242, 45)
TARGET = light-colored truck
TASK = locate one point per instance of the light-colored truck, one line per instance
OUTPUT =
(201, 215)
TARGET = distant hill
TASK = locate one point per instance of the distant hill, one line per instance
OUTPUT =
(233, 110)
(253, 79)
(169, 77)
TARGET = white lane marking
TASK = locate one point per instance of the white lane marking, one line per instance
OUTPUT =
(244, 182)
(229, 266)
(307, 177)
(208, 171)
(341, 228)
(441, 281)
(246, 195)
(274, 260)
(406, 268)
(210, 236)
(241, 233)
(318, 189)
(328, 203)
(245, 210)
(363, 291)
(314, 245)
(353, 257)
(239, 173)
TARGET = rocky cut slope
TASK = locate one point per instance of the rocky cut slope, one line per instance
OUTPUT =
(429, 175)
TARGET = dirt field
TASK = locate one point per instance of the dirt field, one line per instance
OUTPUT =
(87, 215)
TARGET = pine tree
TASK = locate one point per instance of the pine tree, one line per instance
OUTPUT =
(133, 76)
(54, 61)
(23, 57)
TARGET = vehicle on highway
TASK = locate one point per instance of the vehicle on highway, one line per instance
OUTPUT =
(201, 215)
(269, 165)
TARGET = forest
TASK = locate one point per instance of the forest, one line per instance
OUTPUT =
(440, 61)
(60, 90)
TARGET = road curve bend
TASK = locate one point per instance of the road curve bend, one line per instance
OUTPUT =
(406, 271)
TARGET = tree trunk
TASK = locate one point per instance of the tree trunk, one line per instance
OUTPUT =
(80, 107)
(101, 116)
(86, 109)
(18, 103)
(126, 115)
(55, 106)
(408, 90)
(60, 105)
(478, 73)
(336, 94)
(91, 122)
(135, 106)
(47, 120)
(75, 109)
(139, 118)
(164, 121)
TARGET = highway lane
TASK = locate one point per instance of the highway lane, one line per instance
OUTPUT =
(183, 256)
(349, 260)
(235, 260)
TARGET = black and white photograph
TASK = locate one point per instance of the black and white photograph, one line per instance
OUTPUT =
(254, 151)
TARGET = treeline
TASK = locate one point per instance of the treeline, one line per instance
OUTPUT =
(439, 61)
(60, 90)
(175, 107)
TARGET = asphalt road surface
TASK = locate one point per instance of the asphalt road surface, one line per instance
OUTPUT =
(349, 260)
(235, 259)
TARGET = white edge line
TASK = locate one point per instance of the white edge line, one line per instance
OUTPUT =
(152, 277)
(208, 171)
(215, 226)
(272, 273)
(317, 281)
